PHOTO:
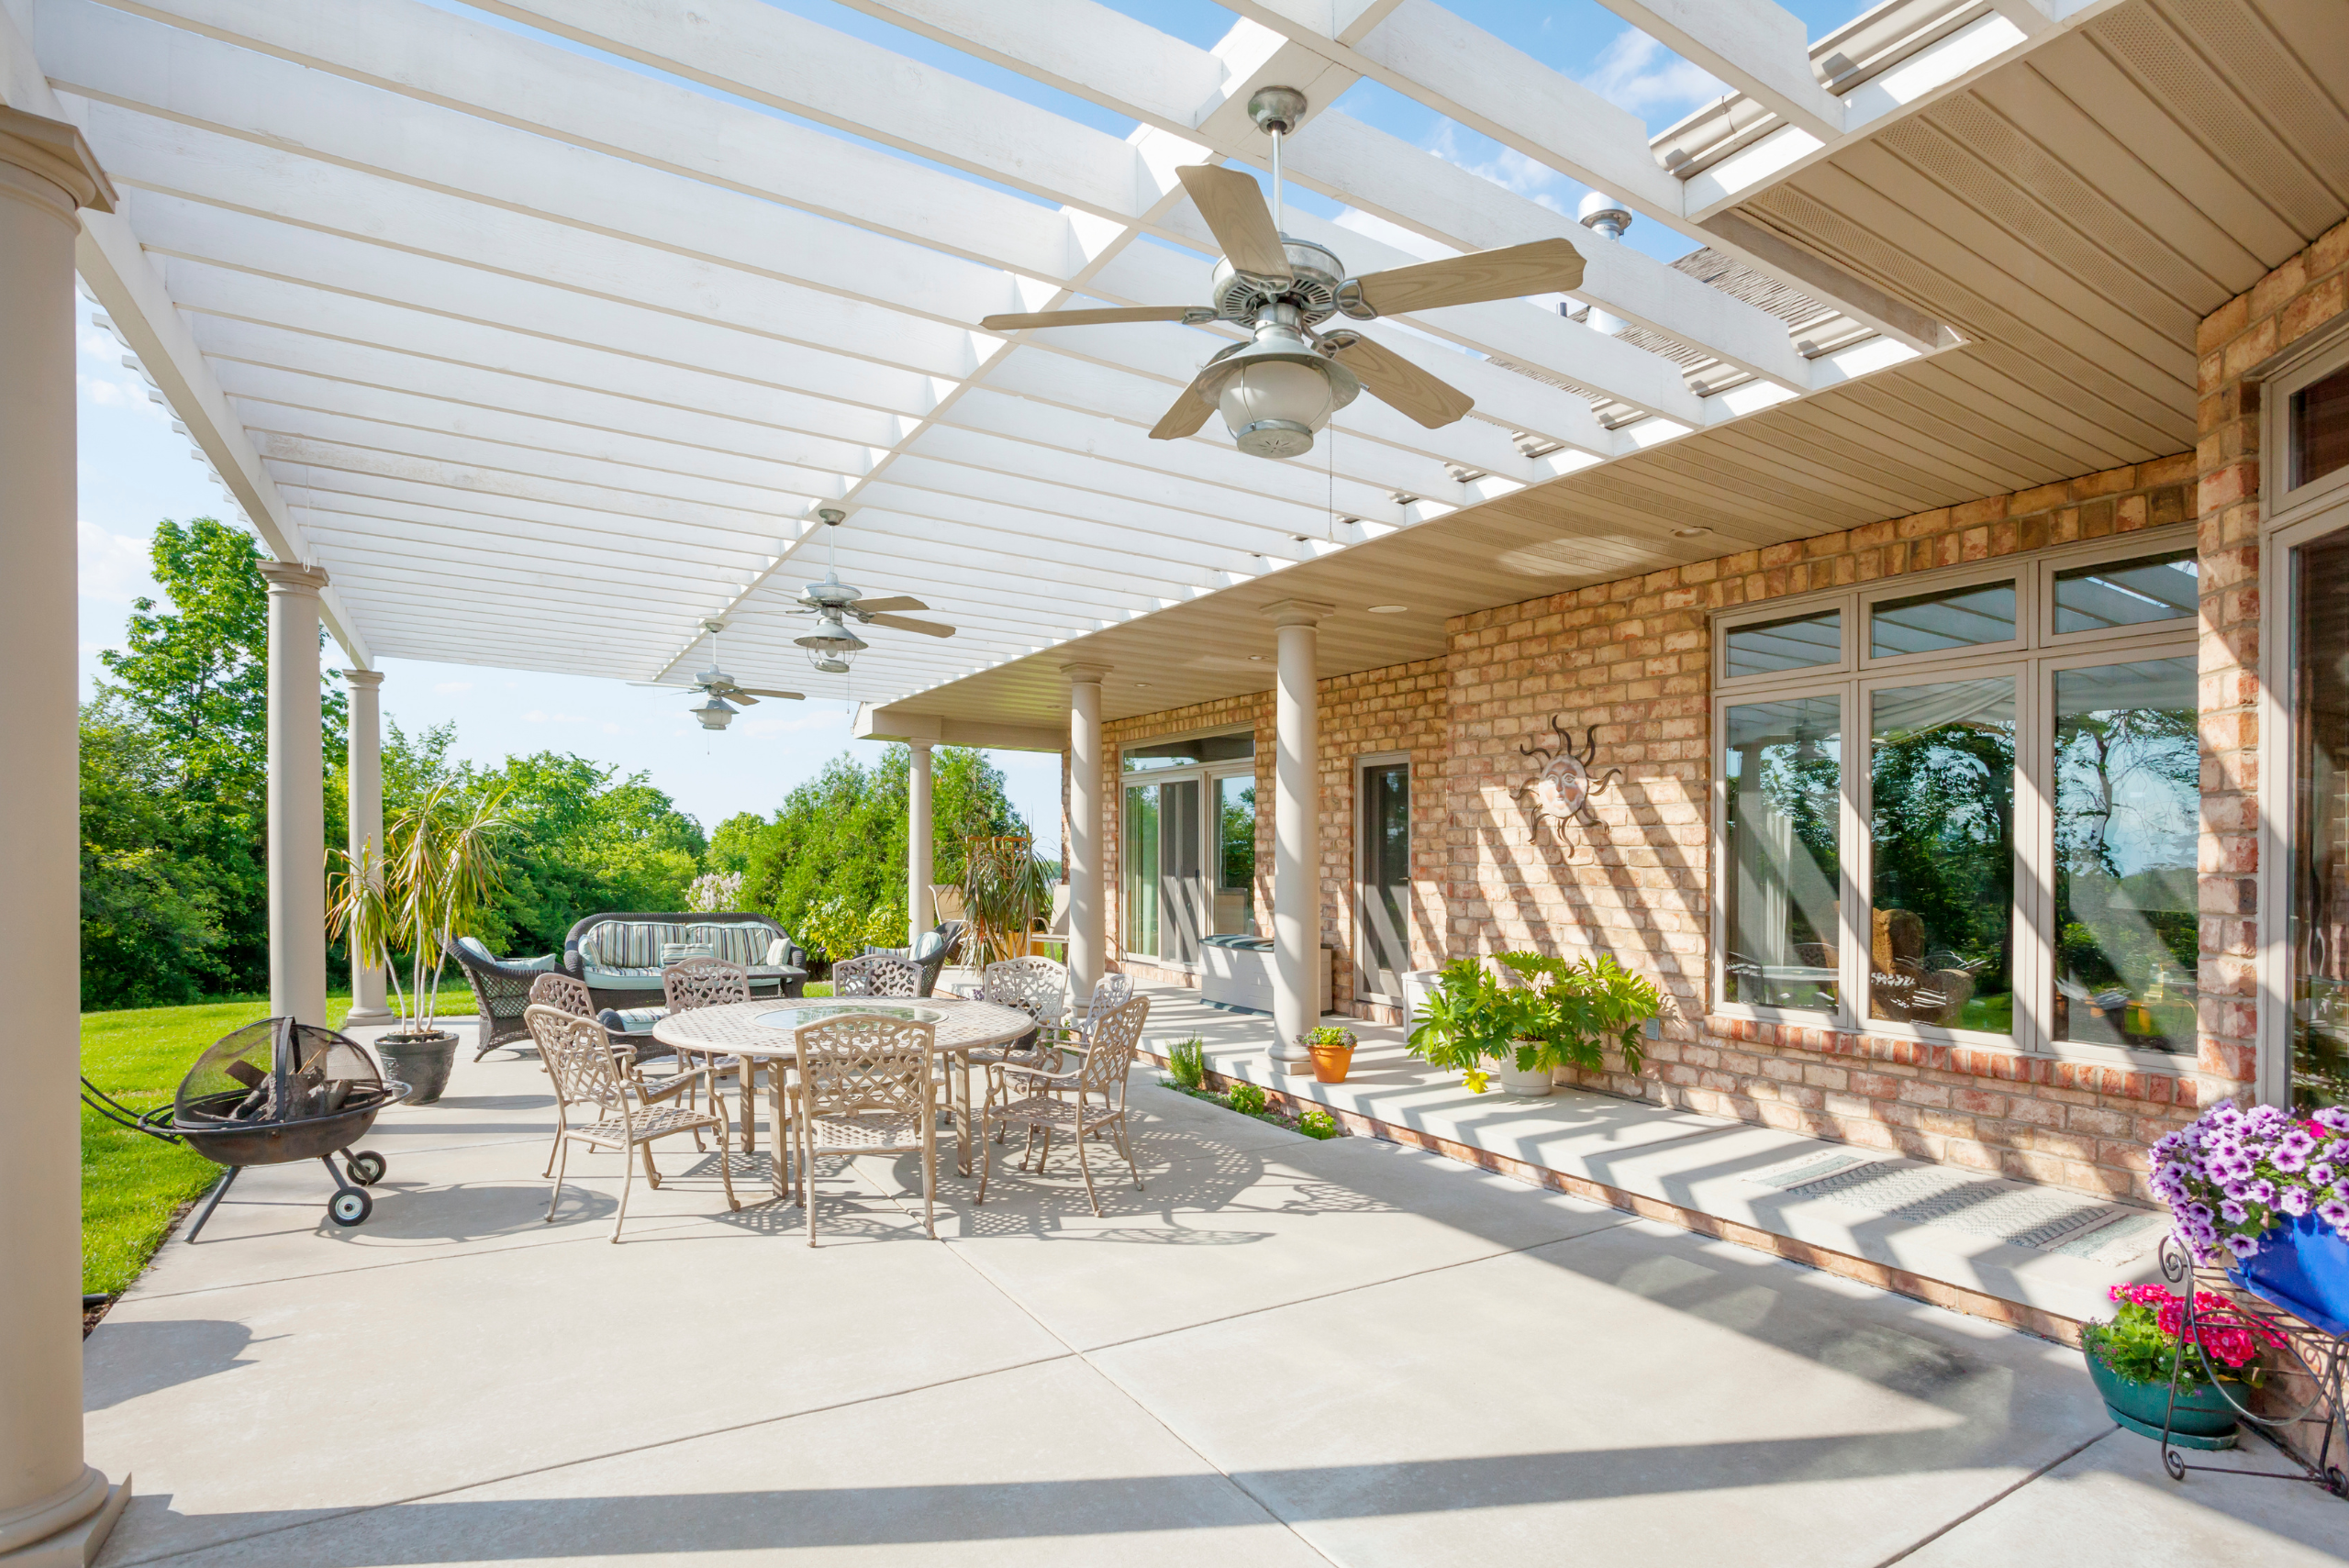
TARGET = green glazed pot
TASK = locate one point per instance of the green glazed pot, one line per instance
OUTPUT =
(2202, 1418)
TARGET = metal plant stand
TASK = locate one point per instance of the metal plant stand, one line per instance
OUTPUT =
(2311, 1358)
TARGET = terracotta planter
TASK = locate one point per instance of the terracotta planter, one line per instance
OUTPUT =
(420, 1061)
(1331, 1063)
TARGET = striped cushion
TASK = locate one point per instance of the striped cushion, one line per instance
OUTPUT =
(627, 944)
(737, 941)
(631, 1020)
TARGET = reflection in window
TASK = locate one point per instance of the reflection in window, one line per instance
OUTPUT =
(1796, 643)
(1386, 811)
(2321, 429)
(2320, 924)
(1784, 770)
(2126, 593)
(1235, 861)
(1140, 863)
(1942, 770)
(2128, 781)
(1956, 617)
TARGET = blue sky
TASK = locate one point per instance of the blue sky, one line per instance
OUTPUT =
(135, 469)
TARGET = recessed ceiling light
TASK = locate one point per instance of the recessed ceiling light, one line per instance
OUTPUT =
(1255, 659)
(1388, 609)
(1689, 533)
(1142, 684)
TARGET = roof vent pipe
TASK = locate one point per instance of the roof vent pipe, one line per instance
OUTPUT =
(1602, 213)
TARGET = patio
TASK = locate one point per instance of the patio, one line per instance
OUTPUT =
(1282, 1352)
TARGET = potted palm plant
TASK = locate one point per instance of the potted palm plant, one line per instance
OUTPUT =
(1005, 887)
(437, 872)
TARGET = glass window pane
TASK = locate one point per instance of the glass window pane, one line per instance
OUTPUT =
(1386, 892)
(1235, 885)
(1941, 771)
(1798, 643)
(1139, 860)
(1182, 876)
(2126, 593)
(2320, 920)
(1782, 834)
(2321, 429)
(2128, 784)
(1956, 617)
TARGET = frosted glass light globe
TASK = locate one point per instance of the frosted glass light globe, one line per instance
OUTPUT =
(1272, 406)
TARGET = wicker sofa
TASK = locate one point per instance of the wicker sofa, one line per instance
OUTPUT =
(621, 955)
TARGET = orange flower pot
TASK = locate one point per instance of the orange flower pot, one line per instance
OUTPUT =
(1331, 1063)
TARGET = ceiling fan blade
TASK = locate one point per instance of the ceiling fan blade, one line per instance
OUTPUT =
(1085, 317)
(882, 606)
(1546, 266)
(761, 691)
(1189, 412)
(1233, 205)
(926, 628)
(1399, 384)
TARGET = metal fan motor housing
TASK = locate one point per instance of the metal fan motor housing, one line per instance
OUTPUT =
(1312, 287)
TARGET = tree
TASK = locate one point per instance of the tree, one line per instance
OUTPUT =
(151, 930)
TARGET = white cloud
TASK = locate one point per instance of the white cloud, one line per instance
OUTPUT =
(1636, 72)
(541, 716)
(451, 688)
(112, 567)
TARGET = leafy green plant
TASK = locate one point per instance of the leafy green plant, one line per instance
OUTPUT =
(1317, 1124)
(2146, 1334)
(436, 875)
(1187, 1063)
(1468, 1019)
(1005, 887)
(1246, 1098)
(1331, 1034)
(1578, 1009)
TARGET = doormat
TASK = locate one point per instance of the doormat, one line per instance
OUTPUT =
(2045, 1218)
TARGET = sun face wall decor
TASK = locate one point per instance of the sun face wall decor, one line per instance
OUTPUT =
(1560, 790)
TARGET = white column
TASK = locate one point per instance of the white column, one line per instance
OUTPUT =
(298, 806)
(919, 828)
(1296, 831)
(367, 804)
(1087, 957)
(52, 1505)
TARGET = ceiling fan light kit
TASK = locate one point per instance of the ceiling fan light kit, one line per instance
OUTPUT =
(1279, 389)
(714, 714)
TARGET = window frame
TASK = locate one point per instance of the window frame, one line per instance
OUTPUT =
(2312, 360)
(1204, 772)
(1362, 764)
(2031, 658)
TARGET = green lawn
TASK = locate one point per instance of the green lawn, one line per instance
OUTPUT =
(131, 1182)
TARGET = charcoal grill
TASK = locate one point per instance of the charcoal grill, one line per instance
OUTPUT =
(270, 1093)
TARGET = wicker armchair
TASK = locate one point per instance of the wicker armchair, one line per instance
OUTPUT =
(932, 953)
(501, 991)
(578, 1056)
(867, 1085)
(1064, 1102)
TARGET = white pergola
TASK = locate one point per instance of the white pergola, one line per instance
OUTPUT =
(539, 336)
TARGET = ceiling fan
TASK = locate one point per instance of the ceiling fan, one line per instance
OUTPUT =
(831, 644)
(1283, 385)
(718, 712)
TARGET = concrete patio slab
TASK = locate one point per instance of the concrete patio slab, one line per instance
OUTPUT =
(1381, 1356)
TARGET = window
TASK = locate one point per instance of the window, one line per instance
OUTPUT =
(1382, 894)
(2318, 1065)
(2320, 439)
(1187, 845)
(2010, 860)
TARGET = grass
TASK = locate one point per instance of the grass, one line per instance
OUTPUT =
(131, 1185)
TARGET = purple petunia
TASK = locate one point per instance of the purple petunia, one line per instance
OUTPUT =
(2291, 1161)
(2293, 1201)
(2320, 1175)
(2232, 1212)
(2334, 1212)
(2242, 1246)
(2261, 1192)
(2334, 1117)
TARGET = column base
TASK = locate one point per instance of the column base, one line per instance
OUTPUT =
(75, 1546)
(364, 1016)
(1292, 1057)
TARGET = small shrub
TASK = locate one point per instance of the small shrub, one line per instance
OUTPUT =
(1317, 1124)
(1246, 1098)
(1187, 1063)
(1331, 1034)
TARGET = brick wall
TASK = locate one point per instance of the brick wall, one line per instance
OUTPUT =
(2293, 301)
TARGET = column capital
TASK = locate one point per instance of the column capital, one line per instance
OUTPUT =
(919, 744)
(1086, 674)
(293, 577)
(1298, 612)
(47, 161)
(361, 677)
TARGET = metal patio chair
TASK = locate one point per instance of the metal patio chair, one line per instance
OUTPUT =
(632, 1114)
(692, 983)
(867, 1085)
(1064, 1102)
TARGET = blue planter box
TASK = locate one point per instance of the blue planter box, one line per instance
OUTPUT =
(2302, 1266)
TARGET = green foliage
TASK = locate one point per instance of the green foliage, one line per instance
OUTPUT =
(1943, 834)
(1246, 1098)
(1469, 1018)
(1330, 1034)
(151, 928)
(1565, 1016)
(836, 928)
(1186, 1062)
(1005, 888)
(1317, 1123)
(843, 835)
(429, 885)
(734, 843)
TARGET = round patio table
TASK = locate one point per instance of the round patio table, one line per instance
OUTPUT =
(767, 1030)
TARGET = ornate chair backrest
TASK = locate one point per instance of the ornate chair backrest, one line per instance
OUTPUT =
(876, 974)
(566, 993)
(864, 1062)
(1111, 993)
(578, 1055)
(1110, 1054)
(693, 982)
(1037, 986)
